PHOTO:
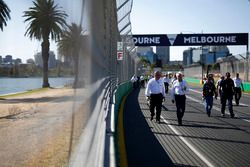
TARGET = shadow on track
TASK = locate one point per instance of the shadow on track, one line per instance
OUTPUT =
(143, 148)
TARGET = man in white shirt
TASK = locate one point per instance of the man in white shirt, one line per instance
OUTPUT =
(166, 82)
(133, 80)
(238, 84)
(142, 81)
(155, 91)
(178, 92)
(218, 87)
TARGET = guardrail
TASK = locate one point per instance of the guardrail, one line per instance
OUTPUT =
(91, 146)
(122, 90)
(97, 145)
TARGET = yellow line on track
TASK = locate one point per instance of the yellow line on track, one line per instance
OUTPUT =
(121, 136)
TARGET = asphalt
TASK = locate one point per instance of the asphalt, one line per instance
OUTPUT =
(201, 141)
(143, 148)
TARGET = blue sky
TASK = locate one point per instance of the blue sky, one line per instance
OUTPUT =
(147, 17)
(191, 16)
(12, 39)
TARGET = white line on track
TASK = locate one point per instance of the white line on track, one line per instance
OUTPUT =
(198, 153)
(214, 107)
(199, 92)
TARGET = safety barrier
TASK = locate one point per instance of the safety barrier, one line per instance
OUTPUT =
(96, 146)
(193, 80)
(119, 95)
(91, 146)
(246, 86)
(121, 91)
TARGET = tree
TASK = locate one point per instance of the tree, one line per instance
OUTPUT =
(70, 45)
(4, 14)
(30, 61)
(46, 21)
(144, 61)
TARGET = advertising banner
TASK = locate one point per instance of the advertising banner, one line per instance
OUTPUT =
(191, 39)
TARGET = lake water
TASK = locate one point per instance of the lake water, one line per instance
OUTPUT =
(13, 85)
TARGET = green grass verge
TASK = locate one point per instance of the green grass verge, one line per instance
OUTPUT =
(199, 85)
(24, 93)
(248, 92)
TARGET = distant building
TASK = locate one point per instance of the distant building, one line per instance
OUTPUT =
(220, 51)
(187, 57)
(7, 59)
(39, 60)
(196, 55)
(18, 61)
(176, 62)
(205, 54)
(143, 50)
(148, 53)
(1, 59)
(66, 60)
(163, 54)
(52, 60)
(30, 61)
(150, 56)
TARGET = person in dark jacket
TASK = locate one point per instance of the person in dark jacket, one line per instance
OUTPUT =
(218, 86)
(208, 92)
(227, 92)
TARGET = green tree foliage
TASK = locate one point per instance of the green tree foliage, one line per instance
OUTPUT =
(46, 20)
(70, 45)
(144, 61)
(4, 14)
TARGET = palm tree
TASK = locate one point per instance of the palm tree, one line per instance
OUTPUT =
(70, 45)
(46, 21)
(4, 14)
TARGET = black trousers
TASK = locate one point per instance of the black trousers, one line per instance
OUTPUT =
(156, 102)
(237, 95)
(224, 100)
(166, 87)
(180, 102)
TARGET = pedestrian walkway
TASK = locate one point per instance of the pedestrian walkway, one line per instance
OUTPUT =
(143, 148)
(149, 144)
(201, 141)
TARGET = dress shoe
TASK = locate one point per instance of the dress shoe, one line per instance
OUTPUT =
(208, 114)
(180, 122)
(158, 121)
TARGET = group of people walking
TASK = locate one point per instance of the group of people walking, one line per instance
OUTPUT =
(156, 93)
(158, 87)
(139, 81)
(227, 88)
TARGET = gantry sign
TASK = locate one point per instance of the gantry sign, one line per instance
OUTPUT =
(191, 39)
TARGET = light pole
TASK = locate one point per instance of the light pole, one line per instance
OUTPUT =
(202, 64)
(201, 82)
(247, 62)
(247, 65)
